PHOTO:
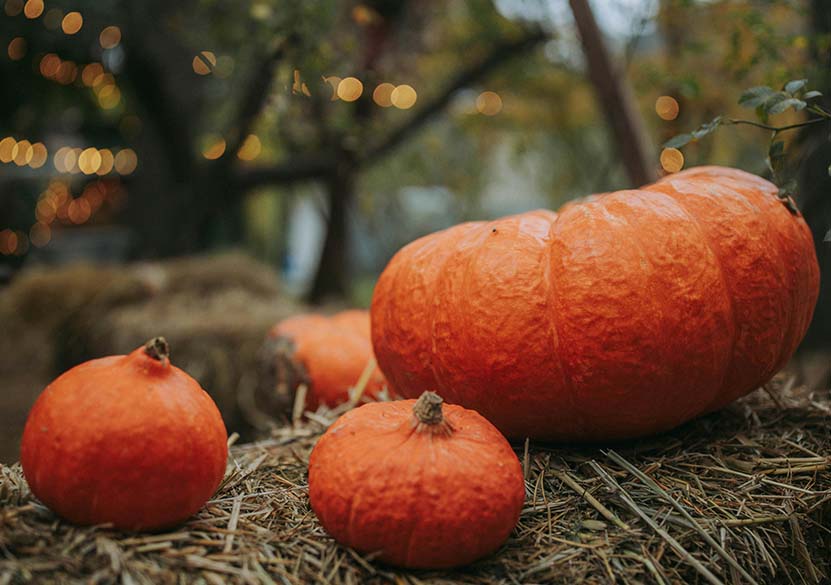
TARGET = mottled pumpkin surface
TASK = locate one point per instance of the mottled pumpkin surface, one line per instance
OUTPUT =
(332, 353)
(623, 315)
(129, 440)
(418, 498)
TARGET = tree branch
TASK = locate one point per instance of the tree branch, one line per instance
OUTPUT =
(498, 55)
(256, 97)
(296, 170)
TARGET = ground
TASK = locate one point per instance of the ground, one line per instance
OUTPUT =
(739, 496)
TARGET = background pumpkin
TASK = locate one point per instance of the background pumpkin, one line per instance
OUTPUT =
(328, 354)
(424, 486)
(623, 315)
(130, 440)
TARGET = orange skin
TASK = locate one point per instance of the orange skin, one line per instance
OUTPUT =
(623, 315)
(423, 499)
(334, 352)
(128, 440)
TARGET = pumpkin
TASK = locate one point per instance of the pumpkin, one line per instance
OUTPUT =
(129, 440)
(327, 354)
(418, 484)
(623, 315)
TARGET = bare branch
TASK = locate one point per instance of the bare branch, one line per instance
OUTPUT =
(499, 54)
(300, 168)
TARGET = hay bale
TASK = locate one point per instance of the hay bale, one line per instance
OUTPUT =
(746, 490)
(214, 310)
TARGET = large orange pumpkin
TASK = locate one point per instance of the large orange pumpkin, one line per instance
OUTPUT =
(420, 485)
(328, 354)
(129, 440)
(623, 315)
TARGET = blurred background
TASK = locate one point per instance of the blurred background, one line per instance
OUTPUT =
(201, 169)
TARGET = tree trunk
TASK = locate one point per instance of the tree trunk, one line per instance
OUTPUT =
(332, 278)
(615, 97)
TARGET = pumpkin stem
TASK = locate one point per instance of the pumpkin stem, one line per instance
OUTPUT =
(158, 349)
(427, 414)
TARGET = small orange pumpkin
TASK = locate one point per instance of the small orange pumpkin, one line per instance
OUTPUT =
(129, 440)
(423, 486)
(328, 354)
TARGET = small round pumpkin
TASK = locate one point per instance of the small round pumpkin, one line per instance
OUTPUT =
(129, 440)
(422, 485)
(327, 354)
(625, 314)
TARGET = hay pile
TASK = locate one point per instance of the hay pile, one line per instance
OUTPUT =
(740, 496)
(214, 310)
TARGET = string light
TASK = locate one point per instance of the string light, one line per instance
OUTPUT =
(107, 161)
(8, 242)
(39, 155)
(17, 48)
(110, 37)
(204, 63)
(22, 153)
(72, 23)
(6, 147)
(383, 95)
(334, 81)
(33, 9)
(251, 148)
(672, 160)
(40, 234)
(13, 7)
(214, 150)
(403, 97)
(350, 89)
(53, 18)
(89, 161)
(125, 162)
(489, 103)
(667, 107)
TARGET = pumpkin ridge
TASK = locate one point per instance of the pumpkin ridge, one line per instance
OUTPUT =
(708, 241)
(551, 313)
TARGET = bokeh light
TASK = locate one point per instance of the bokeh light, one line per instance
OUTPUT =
(72, 23)
(666, 107)
(672, 160)
(6, 147)
(22, 153)
(403, 97)
(17, 48)
(251, 148)
(39, 155)
(89, 161)
(204, 63)
(383, 94)
(215, 148)
(67, 73)
(40, 234)
(33, 8)
(53, 18)
(489, 103)
(350, 89)
(109, 96)
(13, 7)
(79, 210)
(91, 73)
(110, 37)
(8, 242)
(72, 160)
(107, 161)
(49, 65)
(59, 160)
(126, 161)
(334, 81)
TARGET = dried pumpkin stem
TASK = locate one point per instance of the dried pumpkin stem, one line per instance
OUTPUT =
(427, 414)
(158, 349)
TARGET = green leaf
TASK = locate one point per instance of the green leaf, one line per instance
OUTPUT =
(794, 86)
(755, 96)
(678, 141)
(787, 104)
(812, 94)
(772, 100)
